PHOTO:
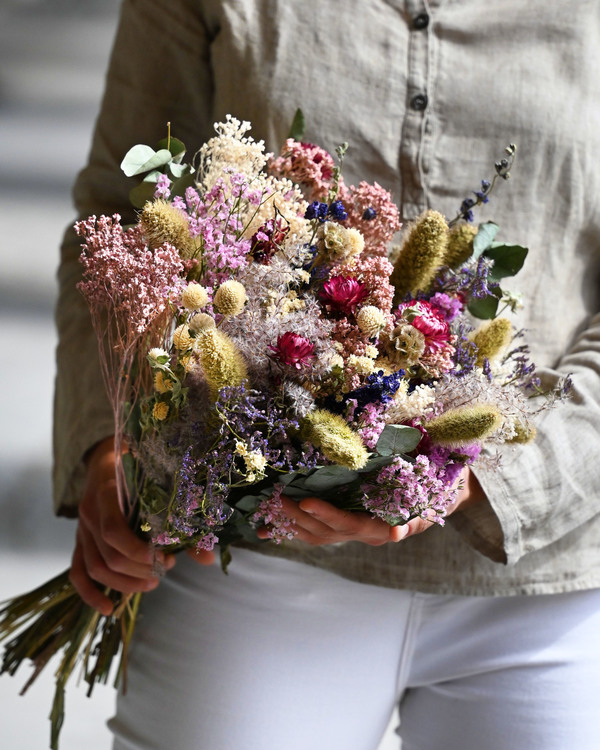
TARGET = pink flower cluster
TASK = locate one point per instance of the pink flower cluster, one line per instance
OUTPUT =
(307, 164)
(404, 490)
(123, 276)
(270, 514)
(372, 211)
(373, 273)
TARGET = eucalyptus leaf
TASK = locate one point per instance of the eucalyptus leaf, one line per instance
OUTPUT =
(329, 477)
(487, 307)
(485, 236)
(376, 462)
(297, 492)
(141, 194)
(298, 126)
(397, 438)
(178, 170)
(248, 503)
(140, 159)
(173, 145)
(183, 183)
(508, 260)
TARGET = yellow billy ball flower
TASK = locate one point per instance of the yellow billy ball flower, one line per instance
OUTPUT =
(460, 245)
(335, 438)
(162, 222)
(491, 339)
(221, 361)
(371, 320)
(421, 255)
(201, 321)
(160, 411)
(194, 297)
(182, 340)
(230, 298)
(464, 425)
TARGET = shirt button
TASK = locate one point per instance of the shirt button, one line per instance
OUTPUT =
(419, 102)
(421, 21)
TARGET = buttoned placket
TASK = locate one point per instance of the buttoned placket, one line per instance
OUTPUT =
(416, 121)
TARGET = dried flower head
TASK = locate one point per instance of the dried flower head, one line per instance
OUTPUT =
(222, 363)
(406, 344)
(421, 255)
(341, 243)
(230, 298)
(491, 339)
(194, 297)
(182, 340)
(160, 411)
(460, 245)
(371, 320)
(162, 383)
(201, 321)
(161, 222)
(464, 425)
(338, 442)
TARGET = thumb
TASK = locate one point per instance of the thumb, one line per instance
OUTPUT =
(201, 556)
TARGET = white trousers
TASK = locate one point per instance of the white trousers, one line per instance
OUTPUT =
(282, 656)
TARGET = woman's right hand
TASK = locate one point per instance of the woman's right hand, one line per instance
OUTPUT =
(107, 551)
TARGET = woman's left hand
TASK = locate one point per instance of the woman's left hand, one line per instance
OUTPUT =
(319, 522)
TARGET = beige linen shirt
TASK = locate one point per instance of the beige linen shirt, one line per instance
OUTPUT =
(427, 95)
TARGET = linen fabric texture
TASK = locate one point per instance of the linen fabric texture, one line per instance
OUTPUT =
(484, 74)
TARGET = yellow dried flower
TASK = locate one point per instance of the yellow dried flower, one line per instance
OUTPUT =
(162, 383)
(201, 321)
(341, 243)
(464, 425)
(421, 255)
(221, 361)
(491, 338)
(371, 320)
(230, 298)
(160, 411)
(162, 222)
(194, 297)
(371, 351)
(333, 436)
(182, 340)
(460, 245)
(362, 365)
(155, 353)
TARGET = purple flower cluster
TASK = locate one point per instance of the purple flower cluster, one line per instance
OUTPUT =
(405, 490)
(270, 514)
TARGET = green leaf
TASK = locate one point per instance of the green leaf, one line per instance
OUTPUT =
(178, 170)
(183, 183)
(376, 462)
(487, 307)
(248, 503)
(397, 438)
(298, 126)
(141, 194)
(508, 260)
(297, 492)
(485, 236)
(173, 145)
(329, 477)
(140, 159)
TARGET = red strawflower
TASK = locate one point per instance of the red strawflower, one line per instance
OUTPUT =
(344, 294)
(293, 350)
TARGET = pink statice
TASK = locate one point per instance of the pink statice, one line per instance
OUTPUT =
(374, 273)
(349, 335)
(163, 187)
(372, 211)
(307, 164)
(270, 514)
(405, 490)
(206, 542)
(449, 307)
(344, 294)
(123, 277)
(371, 422)
(293, 350)
(213, 218)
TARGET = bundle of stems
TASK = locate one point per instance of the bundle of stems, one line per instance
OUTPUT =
(51, 619)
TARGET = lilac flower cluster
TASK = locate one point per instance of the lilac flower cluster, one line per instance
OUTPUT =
(404, 490)
(270, 514)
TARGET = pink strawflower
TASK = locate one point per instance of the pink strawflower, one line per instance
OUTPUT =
(428, 319)
(307, 164)
(293, 350)
(344, 294)
(270, 514)
(372, 211)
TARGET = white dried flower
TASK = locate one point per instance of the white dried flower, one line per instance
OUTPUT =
(182, 340)
(230, 298)
(371, 320)
(201, 321)
(194, 297)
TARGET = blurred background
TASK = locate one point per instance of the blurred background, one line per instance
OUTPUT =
(53, 55)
